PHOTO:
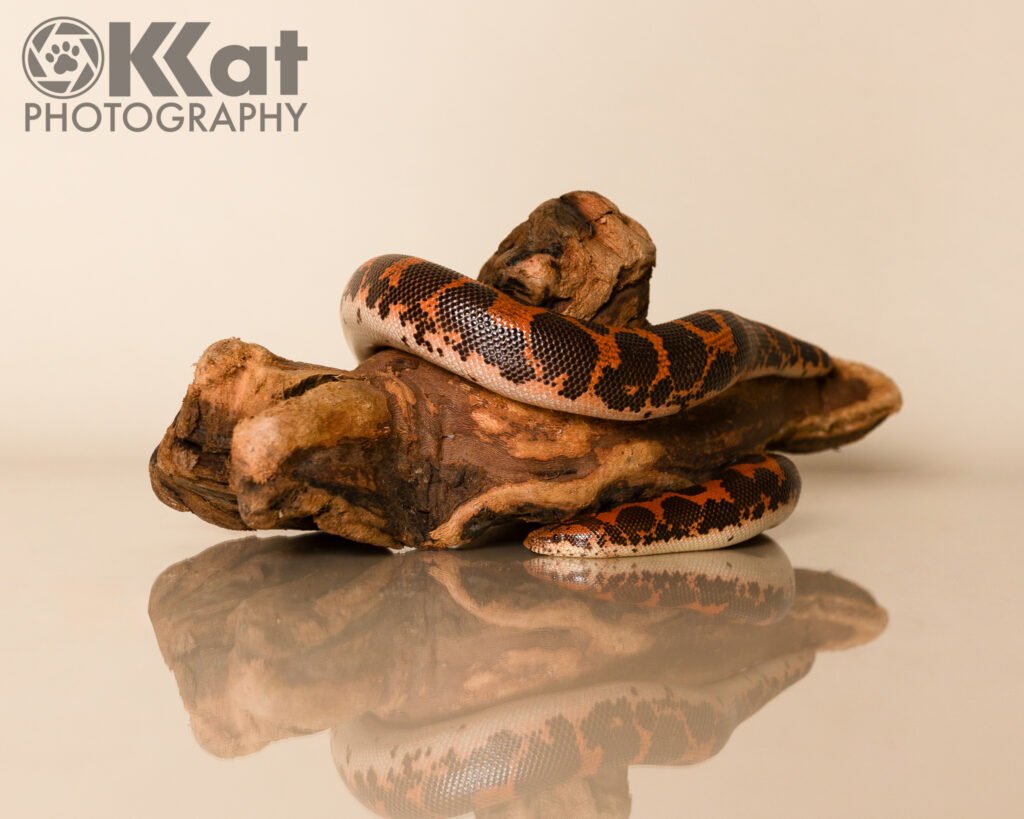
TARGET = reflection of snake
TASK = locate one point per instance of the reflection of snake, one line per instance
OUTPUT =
(658, 715)
(543, 358)
(515, 750)
(676, 704)
(753, 585)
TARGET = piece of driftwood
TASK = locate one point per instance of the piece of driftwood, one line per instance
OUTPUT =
(400, 453)
(578, 255)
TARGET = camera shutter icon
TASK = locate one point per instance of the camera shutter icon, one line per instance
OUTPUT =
(63, 57)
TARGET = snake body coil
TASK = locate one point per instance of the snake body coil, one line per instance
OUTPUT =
(539, 357)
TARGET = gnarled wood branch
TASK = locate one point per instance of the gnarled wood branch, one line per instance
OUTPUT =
(400, 453)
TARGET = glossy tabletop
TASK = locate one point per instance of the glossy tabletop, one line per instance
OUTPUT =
(864, 660)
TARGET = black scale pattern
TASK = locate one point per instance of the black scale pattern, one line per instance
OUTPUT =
(565, 350)
(751, 498)
(464, 311)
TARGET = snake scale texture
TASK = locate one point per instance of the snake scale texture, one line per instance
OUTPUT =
(539, 357)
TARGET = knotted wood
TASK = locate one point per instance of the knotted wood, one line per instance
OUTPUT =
(401, 453)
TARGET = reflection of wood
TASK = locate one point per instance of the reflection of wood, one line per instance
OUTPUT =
(274, 637)
(401, 453)
(488, 658)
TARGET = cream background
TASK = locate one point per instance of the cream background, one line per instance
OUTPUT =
(850, 172)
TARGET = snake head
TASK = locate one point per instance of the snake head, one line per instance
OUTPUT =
(574, 537)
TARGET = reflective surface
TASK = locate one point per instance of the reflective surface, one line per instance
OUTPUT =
(866, 659)
(454, 682)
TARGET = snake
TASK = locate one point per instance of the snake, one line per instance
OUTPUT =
(540, 357)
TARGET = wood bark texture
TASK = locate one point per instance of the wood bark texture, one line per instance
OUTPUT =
(401, 453)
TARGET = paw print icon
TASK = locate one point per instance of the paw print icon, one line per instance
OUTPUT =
(63, 57)
(66, 61)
